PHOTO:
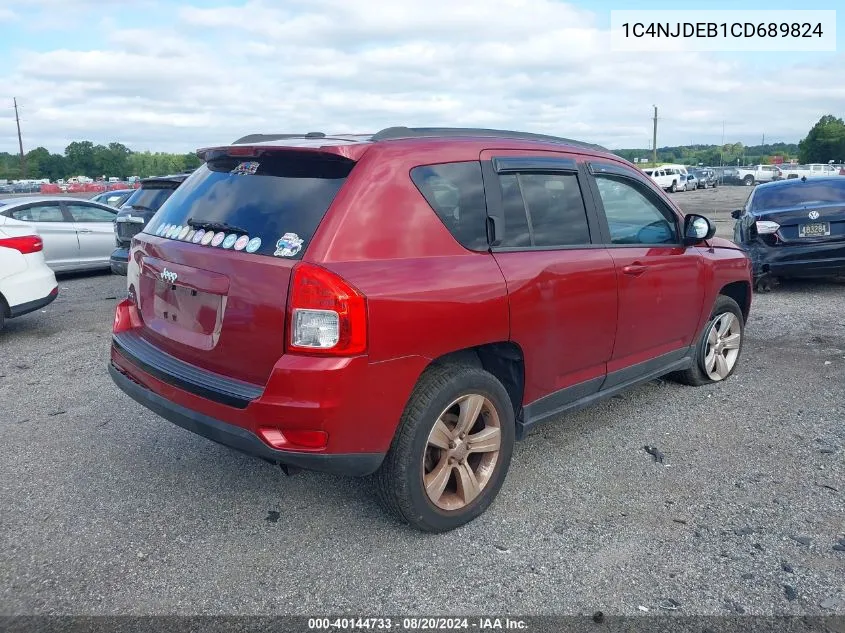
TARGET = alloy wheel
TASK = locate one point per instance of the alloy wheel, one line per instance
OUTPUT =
(722, 346)
(462, 452)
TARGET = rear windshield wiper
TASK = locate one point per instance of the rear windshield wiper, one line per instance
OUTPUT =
(141, 207)
(215, 226)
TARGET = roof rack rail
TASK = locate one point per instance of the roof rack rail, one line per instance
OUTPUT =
(421, 132)
(260, 138)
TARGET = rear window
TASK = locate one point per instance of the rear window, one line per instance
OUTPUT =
(149, 198)
(799, 194)
(270, 205)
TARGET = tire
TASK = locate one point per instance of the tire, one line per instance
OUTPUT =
(2, 312)
(698, 374)
(748, 181)
(412, 456)
(674, 187)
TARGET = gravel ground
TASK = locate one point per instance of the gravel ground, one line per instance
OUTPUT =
(108, 509)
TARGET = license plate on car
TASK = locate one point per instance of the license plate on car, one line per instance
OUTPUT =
(819, 229)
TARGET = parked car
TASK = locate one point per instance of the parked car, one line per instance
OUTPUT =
(794, 228)
(136, 212)
(78, 234)
(667, 179)
(115, 198)
(413, 302)
(813, 170)
(691, 182)
(758, 173)
(27, 284)
(706, 178)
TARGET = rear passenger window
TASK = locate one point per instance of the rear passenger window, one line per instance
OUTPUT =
(456, 193)
(543, 211)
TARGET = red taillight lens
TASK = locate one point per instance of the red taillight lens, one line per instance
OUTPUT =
(25, 244)
(126, 316)
(326, 315)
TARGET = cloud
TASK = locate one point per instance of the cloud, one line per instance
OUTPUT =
(210, 75)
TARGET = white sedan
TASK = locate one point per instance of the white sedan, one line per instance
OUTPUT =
(26, 282)
(78, 234)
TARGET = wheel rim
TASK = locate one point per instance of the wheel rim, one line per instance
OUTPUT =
(722, 346)
(462, 452)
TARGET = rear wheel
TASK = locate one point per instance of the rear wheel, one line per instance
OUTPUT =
(674, 186)
(719, 346)
(748, 180)
(452, 449)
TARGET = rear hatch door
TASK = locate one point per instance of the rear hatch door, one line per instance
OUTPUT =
(210, 271)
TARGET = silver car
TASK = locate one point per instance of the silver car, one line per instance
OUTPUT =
(77, 234)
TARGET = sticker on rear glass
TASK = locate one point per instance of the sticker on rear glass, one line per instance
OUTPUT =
(241, 242)
(173, 230)
(184, 232)
(160, 229)
(246, 168)
(206, 239)
(253, 245)
(288, 245)
(198, 236)
(218, 239)
(229, 242)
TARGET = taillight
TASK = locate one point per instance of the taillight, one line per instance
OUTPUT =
(25, 244)
(326, 315)
(126, 316)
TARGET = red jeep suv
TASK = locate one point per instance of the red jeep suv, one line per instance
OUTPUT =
(410, 303)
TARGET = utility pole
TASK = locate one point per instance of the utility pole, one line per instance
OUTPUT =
(20, 139)
(654, 139)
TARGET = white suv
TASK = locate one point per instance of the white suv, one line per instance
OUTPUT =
(26, 282)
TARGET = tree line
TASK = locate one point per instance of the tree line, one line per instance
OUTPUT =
(83, 158)
(823, 143)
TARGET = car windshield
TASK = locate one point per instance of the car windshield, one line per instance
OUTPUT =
(800, 194)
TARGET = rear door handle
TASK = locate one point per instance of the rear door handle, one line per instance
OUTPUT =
(635, 269)
(85, 230)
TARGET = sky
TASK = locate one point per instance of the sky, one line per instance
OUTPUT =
(169, 75)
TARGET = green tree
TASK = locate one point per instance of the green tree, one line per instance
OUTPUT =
(824, 142)
(40, 163)
(80, 158)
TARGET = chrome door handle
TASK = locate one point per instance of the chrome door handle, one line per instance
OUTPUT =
(85, 230)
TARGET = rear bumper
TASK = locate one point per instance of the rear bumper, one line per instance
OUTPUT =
(243, 440)
(812, 260)
(32, 306)
(119, 261)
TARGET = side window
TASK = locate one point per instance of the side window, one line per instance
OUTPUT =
(632, 215)
(544, 210)
(44, 213)
(84, 213)
(456, 193)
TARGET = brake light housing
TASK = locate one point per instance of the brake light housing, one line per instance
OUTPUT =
(24, 244)
(126, 316)
(326, 315)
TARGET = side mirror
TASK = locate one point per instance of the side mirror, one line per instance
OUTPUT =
(697, 228)
(736, 214)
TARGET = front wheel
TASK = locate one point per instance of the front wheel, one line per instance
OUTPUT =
(748, 180)
(719, 346)
(452, 449)
(674, 187)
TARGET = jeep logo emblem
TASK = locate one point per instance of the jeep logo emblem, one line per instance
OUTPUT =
(168, 275)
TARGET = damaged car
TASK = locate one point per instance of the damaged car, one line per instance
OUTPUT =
(794, 228)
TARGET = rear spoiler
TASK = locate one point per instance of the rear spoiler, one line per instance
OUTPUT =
(330, 149)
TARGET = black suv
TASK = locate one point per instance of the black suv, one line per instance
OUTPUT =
(137, 211)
